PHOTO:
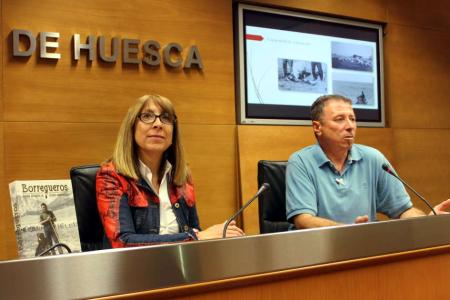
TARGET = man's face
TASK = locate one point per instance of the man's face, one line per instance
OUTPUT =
(337, 127)
(43, 208)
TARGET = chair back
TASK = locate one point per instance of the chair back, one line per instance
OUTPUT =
(90, 226)
(272, 203)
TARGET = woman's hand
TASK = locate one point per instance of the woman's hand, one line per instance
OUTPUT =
(216, 231)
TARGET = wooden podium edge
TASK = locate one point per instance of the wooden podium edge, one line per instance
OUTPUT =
(196, 288)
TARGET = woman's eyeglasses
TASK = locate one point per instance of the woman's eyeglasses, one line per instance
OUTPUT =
(150, 118)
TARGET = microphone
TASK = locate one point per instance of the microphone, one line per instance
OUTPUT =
(390, 171)
(264, 187)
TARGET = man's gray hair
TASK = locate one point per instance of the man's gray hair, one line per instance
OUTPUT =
(319, 104)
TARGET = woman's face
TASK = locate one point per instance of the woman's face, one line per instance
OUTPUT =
(153, 138)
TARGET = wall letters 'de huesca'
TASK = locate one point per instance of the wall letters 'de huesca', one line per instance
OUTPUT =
(24, 45)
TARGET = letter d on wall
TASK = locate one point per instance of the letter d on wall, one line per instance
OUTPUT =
(16, 34)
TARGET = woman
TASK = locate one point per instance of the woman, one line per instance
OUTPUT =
(144, 192)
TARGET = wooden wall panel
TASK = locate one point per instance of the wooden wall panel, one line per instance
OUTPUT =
(8, 248)
(379, 138)
(65, 91)
(365, 9)
(422, 157)
(1, 63)
(211, 153)
(420, 278)
(417, 75)
(48, 150)
(420, 13)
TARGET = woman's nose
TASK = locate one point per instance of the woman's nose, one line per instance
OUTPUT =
(157, 122)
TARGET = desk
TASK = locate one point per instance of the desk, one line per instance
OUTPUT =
(351, 261)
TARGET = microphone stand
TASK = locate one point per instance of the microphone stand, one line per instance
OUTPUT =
(388, 170)
(264, 187)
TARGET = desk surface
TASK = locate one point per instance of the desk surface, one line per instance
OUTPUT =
(121, 271)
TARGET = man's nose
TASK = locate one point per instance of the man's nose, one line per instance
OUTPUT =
(350, 124)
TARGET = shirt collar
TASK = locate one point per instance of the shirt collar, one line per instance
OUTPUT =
(321, 158)
(354, 155)
(147, 175)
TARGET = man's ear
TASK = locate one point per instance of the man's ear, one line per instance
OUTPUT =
(317, 128)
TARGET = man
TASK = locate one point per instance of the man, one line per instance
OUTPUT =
(338, 182)
(319, 72)
(361, 99)
(47, 219)
(287, 67)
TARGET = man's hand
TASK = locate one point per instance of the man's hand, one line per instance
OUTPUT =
(303, 221)
(362, 219)
(442, 208)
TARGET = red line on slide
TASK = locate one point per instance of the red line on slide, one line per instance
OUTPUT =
(254, 37)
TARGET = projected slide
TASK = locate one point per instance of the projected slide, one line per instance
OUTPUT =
(294, 68)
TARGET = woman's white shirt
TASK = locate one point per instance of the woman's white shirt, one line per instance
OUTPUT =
(167, 220)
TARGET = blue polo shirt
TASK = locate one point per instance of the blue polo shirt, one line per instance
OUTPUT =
(315, 187)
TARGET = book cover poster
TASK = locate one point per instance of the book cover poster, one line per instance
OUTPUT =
(44, 215)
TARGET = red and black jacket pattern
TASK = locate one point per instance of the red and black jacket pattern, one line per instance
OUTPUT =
(129, 210)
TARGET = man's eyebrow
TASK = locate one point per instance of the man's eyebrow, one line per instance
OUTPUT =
(339, 115)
